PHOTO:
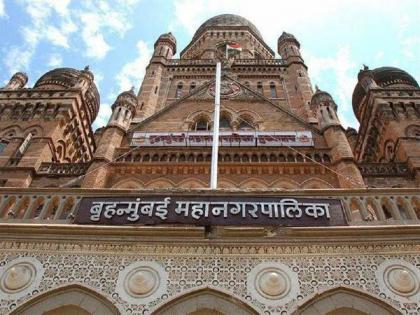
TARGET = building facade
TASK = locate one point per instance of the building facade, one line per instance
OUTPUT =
(308, 217)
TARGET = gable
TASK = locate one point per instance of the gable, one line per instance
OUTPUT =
(236, 100)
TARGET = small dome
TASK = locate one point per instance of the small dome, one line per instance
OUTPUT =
(67, 78)
(321, 97)
(227, 20)
(384, 77)
(128, 99)
(168, 38)
(288, 37)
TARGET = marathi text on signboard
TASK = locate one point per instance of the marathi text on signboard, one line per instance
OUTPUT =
(240, 138)
(211, 210)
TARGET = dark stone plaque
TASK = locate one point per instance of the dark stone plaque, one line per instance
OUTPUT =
(210, 210)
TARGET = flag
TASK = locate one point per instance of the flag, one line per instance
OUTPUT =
(234, 47)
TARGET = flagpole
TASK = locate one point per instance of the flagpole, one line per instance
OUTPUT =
(216, 118)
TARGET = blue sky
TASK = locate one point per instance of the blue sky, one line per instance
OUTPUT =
(115, 37)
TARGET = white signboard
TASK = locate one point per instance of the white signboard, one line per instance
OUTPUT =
(226, 139)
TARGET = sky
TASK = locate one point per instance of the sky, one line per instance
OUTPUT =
(115, 38)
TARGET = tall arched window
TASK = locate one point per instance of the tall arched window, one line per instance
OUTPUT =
(260, 87)
(245, 124)
(179, 90)
(247, 84)
(3, 145)
(224, 123)
(201, 125)
(273, 91)
(192, 87)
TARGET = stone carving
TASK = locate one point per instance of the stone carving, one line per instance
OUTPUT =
(273, 283)
(232, 269)
(399, 279)
(19, 276)
(142, 282)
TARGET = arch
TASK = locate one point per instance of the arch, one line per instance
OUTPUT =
(253, 183)
(315, 183)
(75, 295)
(36, 130)
(192, 183)
(347, 299)
(226, 184)
(285, 184)
(160, 183)
(196, 301)
(11, 131)
(128, 183)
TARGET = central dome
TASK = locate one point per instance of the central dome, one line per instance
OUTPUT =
(227, 20)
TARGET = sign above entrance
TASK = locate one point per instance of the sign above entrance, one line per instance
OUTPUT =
(211, 210)
(226, 138)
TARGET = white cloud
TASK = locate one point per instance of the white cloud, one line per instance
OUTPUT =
(55, 60)
(133, 72)
(2, 10)
(342, 67)
(17, 59)
(410, 46)
(103, 115)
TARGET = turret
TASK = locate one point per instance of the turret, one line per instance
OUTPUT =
(324, 108)
(123, 110)
(85, 79)
(17, 81)
(165, 46)
(323, 105)
(288, 46)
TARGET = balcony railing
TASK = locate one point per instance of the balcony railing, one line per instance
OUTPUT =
(362, 207)
(70, 169)
(238, 62)
(384, 169)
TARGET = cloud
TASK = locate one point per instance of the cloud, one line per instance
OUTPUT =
(17, 59)
(342, 68)
(133, 72)
(103, 115)
(55, 60)
(2, 10)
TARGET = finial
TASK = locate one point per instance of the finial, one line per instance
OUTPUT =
(86, 68)
(132, 89)
(365, 67)
(316, 88)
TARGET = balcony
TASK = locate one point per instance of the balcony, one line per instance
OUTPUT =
(362, 207)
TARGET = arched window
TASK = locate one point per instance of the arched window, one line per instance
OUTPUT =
(224, 123)
(192, 87)
(247, 84)
(260, 87)
(245, 124)
(179, 90)
(3, 145)
(201, 125)
(273, 91)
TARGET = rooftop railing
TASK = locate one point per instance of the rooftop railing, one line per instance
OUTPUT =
(362, 207)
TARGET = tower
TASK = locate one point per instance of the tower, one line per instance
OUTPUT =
(298, 84)
(156, 81)
(17, 81)
(325, 109)
(45, 128)
(386, 103)
(123, 110)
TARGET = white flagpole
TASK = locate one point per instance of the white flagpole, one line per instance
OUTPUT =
(216, 118)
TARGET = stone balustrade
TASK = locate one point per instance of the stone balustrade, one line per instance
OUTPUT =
(362, 207)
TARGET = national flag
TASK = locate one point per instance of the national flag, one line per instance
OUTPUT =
(234, 47)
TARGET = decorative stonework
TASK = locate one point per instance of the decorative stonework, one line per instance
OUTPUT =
(399, 280)
(272, 283)
(114, 269)
(142, 282)
(19, 277)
